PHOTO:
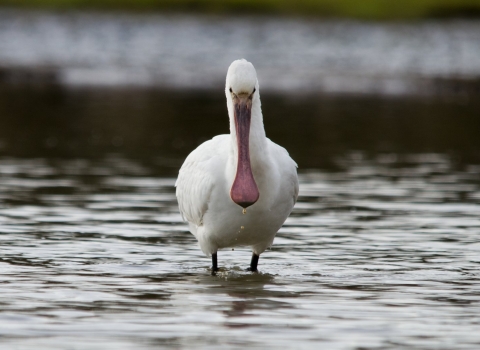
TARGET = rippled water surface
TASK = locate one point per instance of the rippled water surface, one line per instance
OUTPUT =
(94, 254)
(382, 250)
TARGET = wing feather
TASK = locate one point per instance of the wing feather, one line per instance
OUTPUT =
(196, 179)
(288, 166)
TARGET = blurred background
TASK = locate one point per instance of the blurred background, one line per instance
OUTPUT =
(377, 101)
(145, 78)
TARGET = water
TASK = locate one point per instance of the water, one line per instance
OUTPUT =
(290, 54)
(382, 250)
(377, 255)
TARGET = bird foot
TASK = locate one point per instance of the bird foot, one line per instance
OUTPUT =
(251, 269)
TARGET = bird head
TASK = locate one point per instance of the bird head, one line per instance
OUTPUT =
(241, 87)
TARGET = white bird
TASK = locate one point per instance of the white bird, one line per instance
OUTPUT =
(226, 175)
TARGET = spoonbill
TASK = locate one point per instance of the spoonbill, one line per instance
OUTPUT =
(238, 189)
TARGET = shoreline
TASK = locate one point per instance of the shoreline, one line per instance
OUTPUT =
(364, 10)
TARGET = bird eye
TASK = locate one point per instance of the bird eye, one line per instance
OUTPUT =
(231, 90)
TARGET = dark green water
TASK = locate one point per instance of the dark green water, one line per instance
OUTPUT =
(156, 124)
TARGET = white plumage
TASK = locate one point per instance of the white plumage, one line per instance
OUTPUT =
(206, 177)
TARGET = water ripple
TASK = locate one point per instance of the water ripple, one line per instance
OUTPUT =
(384, 253)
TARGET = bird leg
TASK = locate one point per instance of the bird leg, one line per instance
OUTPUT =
(254, 263)
(214, 263)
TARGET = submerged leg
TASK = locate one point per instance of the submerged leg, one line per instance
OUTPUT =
(254, 263)
(214, 263)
